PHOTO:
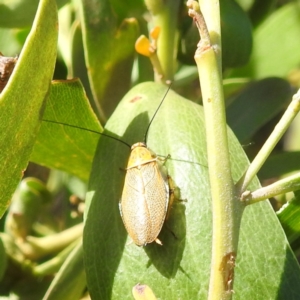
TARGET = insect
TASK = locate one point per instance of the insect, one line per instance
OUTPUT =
(146, 196)
(147, 193)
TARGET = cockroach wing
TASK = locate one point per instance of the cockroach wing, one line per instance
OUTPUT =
(144, 202)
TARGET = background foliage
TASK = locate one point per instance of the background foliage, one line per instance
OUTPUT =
(41, 254)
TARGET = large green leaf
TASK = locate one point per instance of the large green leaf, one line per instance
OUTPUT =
(236, 35)
(260, 10)
(109, 50)
(279, 32)
(64, 147)
(22, 101)
(180, 268)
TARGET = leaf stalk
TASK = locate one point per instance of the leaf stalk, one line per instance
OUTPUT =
(288, 184)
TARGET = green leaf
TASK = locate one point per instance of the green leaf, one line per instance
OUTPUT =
(279, 164)
(9, 42)
(109, 50)
(16, 13)
(69, 283)
(280, 31)
(25, 206)
(3, 260)
(236, 35)
(245, 4)
(232, 87)
(257, 104)
(64, 147)
(77, 65)
(22, 101)
(180, 268)
(289, 217)
(260, 9)
(131, 7)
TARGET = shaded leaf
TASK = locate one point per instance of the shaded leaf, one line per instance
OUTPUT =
(22, 101)
(128, 8)
(232, 87)
(279, 164)
(257, 104)
(236, 35)
(246, 4)
(15, 13)
(109, 50)
(260, 9)
(179, 268)
(78, 67)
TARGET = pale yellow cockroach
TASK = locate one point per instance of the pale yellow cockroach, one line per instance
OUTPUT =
(147, 192)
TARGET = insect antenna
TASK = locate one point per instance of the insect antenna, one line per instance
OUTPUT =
(161, 102)
(89, 130)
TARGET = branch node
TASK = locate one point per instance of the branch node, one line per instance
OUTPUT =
(195, 13)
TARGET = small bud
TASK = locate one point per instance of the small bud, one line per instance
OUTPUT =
(143, 46)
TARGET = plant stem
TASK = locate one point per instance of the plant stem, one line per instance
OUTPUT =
(288, 184)
(35, 248)
(165, 16)
(227, 211)
(271, 142)
(52, 265)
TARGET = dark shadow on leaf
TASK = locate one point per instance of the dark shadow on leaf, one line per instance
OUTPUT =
(289, 281)
(167, 258)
